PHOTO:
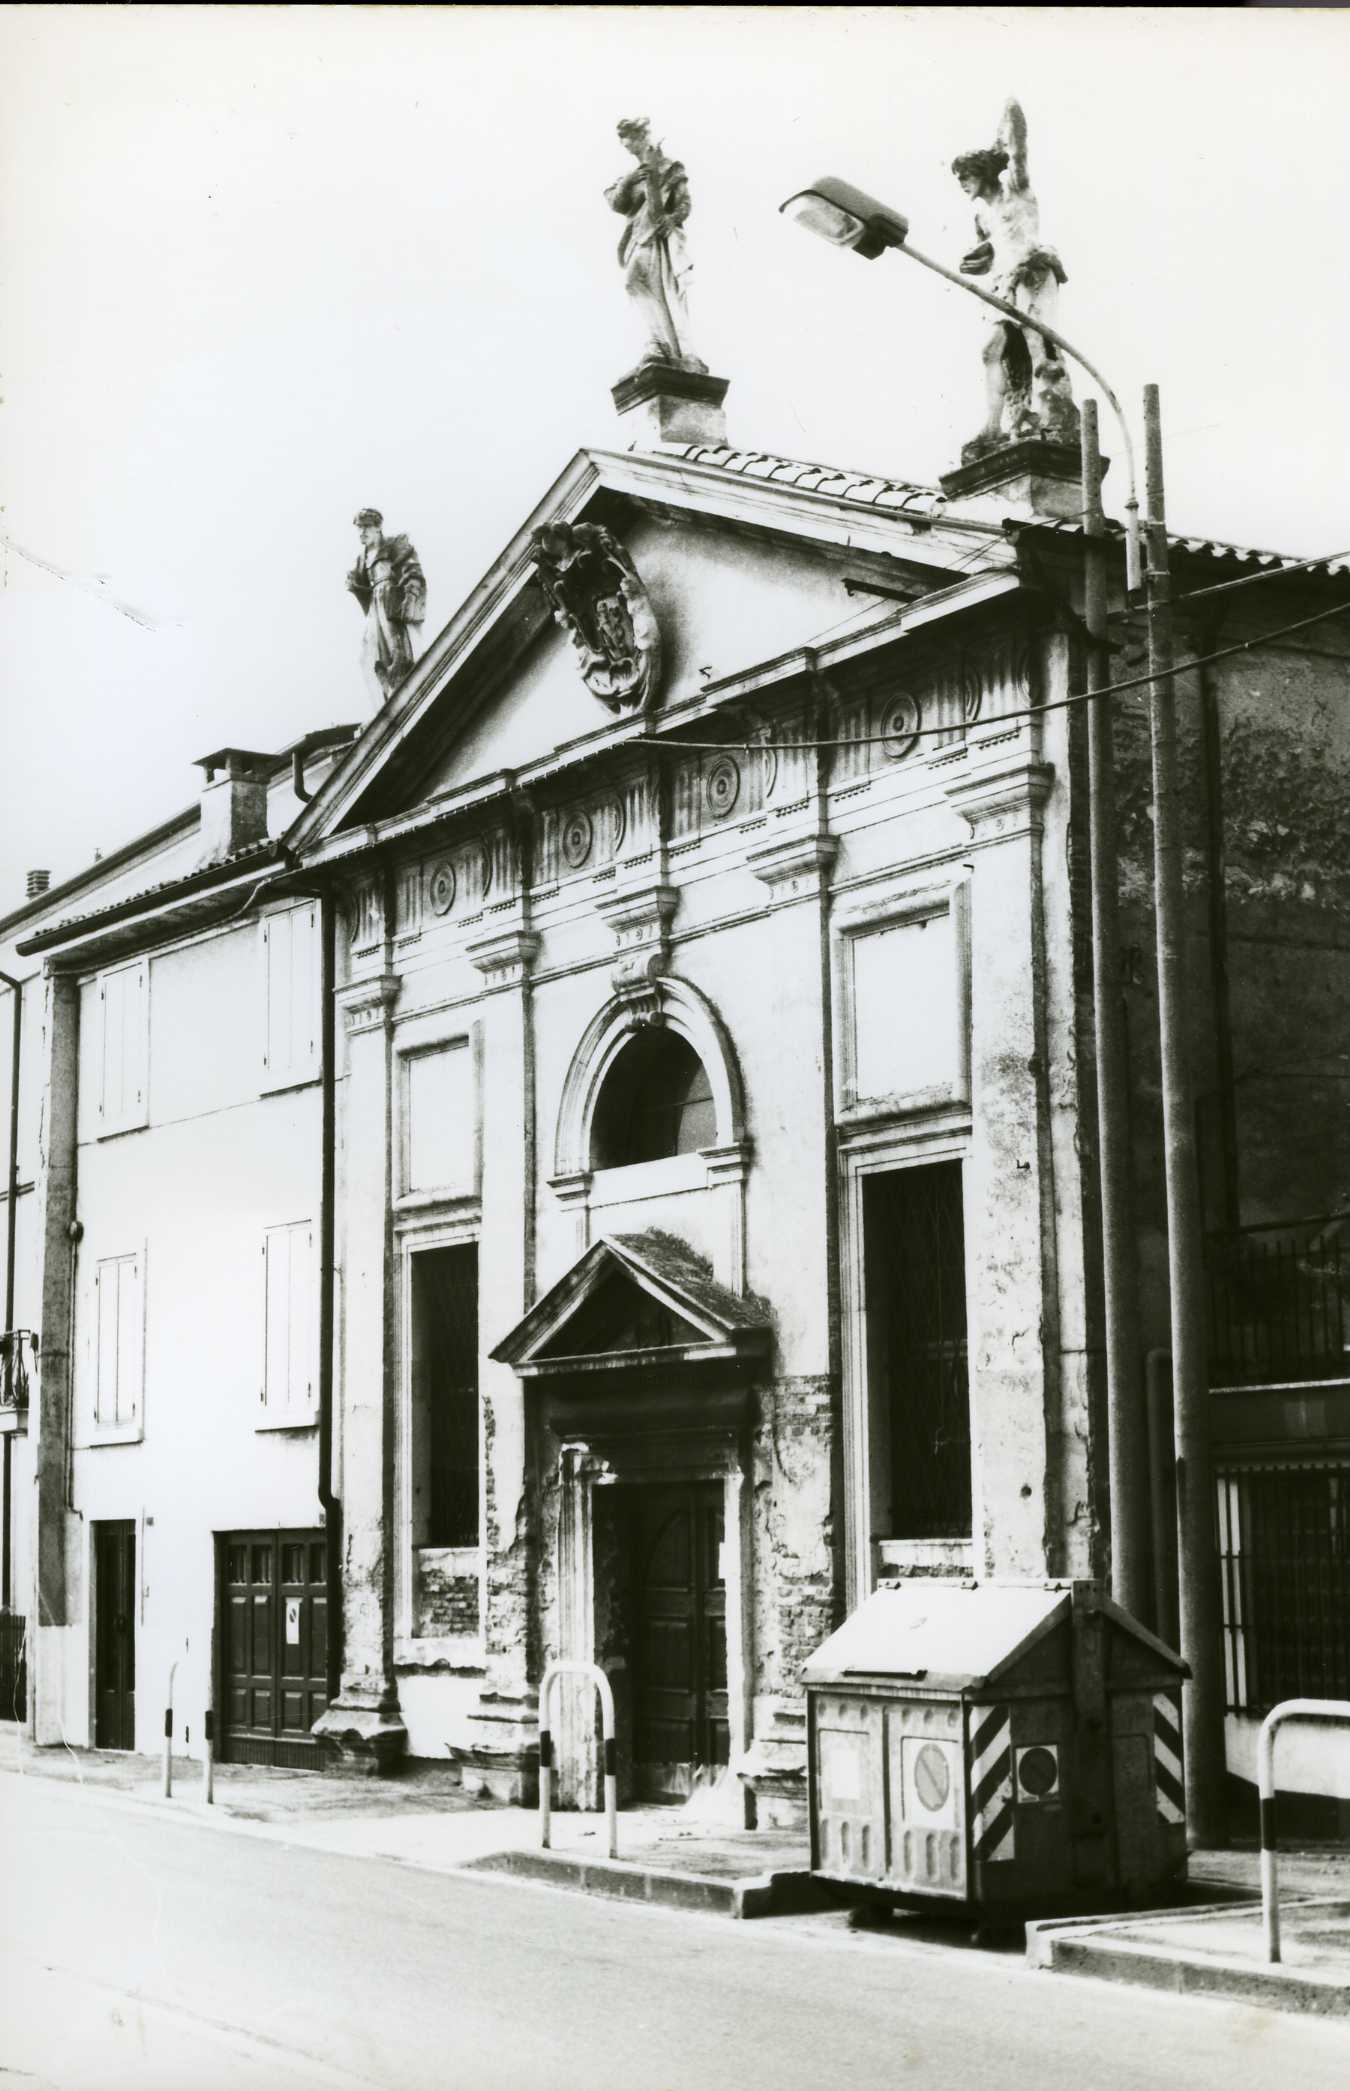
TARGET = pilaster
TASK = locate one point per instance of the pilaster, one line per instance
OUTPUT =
(797, 1533)
(1010, 1182)
(501, 1758)
(362, 1730)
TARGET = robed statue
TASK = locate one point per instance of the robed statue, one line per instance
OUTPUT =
(388, 583)
(654, 199)
(1026, 383)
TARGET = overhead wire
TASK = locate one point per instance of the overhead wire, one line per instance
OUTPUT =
(1035, 711)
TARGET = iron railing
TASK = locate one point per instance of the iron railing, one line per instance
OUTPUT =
(1284, 1554)
(1279, 1302)
(13, 1667)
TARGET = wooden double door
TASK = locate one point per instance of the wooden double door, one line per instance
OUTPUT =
(677, 1637)
(272, 1642)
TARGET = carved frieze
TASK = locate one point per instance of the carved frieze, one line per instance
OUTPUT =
(586, 835)
(597, 597)
(367, 916)
(712, 789)
(442, 886)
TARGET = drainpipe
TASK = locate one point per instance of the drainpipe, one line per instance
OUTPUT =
(1126, 1425)
(328, 1497)
(11, 1239)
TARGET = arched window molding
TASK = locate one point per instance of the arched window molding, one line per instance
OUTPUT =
(682, 1009)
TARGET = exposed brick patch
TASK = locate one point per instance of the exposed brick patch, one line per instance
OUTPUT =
(447, 1600)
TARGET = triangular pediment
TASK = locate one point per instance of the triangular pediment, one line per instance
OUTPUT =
(630, 1299)
(743, 560)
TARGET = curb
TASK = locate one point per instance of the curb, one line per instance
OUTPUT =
(759, 1895)
(1086, 1946)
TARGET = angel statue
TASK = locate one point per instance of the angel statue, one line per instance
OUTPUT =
(1027, 385)
(389, 585)
(654, 198)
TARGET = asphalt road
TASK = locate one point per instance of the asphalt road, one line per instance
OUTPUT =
(144, 1950)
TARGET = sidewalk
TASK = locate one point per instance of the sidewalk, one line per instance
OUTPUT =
(678, 1857)
(1217, 1951)
(423, 1818)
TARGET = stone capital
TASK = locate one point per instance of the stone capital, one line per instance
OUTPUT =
(1003, 794)
(640, 918)
(505, 960)
(367, 1005)
(729, 1164)
(792, 866)
(573, 1189)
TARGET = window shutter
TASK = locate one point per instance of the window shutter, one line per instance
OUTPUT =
(119, 1297)
(277, 1319)
(129, 1328)
(105, 1383)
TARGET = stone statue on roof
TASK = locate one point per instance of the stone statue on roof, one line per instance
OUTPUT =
(389, 585)
(654, 199)
(1027, 384)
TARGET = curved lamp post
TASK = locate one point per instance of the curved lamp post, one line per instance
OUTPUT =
(847, 217)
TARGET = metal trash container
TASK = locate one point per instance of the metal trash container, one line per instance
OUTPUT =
(996, 1745)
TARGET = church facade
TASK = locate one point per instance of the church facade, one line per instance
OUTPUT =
(599, 1165)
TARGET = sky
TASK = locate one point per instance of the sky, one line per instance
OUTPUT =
(264, 266)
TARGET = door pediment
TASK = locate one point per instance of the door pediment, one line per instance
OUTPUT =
(635, 1300)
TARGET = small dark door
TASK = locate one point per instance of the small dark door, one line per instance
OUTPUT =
(273, 1640)
(679, 1638)
(115, 1635)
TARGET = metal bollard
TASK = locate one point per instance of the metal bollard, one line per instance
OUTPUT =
(168, 1735)
(208, 1757)
(606, 1691)
(1287, 1710)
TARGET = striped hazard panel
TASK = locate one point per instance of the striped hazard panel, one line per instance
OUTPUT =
(1167, 1757)
(991, 1781)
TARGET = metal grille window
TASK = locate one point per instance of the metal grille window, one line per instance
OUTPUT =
(915, 1273)
(1279, 1302)
(1284, 1550)
(445, 1433)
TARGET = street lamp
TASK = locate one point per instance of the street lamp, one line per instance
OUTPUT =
(847, 217)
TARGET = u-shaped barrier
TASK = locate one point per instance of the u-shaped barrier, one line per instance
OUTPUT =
(1287, 1710)
(606, 1691)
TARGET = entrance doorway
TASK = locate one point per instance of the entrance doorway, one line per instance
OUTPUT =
(115, 1634)
(678, 1637)
(272, 1634)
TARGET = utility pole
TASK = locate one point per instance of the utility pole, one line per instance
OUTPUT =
(1128, 1463)
(1197, 1560)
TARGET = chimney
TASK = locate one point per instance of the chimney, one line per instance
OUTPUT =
(234, 802)
(38, 882)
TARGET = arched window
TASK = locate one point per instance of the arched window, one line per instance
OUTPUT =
(656, 1101)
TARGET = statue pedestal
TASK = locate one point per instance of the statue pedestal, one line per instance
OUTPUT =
(668, 403)
(1031, 477)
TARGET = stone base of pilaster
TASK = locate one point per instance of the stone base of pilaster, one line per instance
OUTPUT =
(361, 1735)
(773, 1770)
(499, 1758)
(667, 403)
